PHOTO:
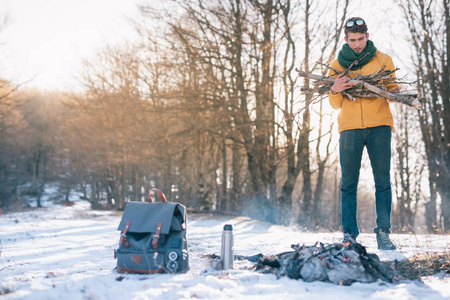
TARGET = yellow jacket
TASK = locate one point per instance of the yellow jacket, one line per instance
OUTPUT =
(364, 112)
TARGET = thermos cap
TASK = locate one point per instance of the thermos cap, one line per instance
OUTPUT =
(228, 227)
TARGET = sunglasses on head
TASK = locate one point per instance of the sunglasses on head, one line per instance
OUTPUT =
(352, 23)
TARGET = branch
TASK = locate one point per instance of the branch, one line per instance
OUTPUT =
(362, 89)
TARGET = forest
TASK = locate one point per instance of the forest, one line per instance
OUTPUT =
(208, 107)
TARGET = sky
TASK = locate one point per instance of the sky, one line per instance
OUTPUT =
(46, 40)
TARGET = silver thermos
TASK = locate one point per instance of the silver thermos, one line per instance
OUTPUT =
(227, 256)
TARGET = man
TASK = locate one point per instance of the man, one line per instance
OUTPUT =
(364, 122)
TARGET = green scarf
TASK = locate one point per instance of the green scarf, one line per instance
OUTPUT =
(347, 56)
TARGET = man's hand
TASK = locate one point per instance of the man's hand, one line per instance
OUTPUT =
(341, 83)
(397, 90)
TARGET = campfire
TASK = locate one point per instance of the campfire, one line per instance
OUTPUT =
(339, 263)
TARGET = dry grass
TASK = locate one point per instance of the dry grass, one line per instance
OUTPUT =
(425, 265)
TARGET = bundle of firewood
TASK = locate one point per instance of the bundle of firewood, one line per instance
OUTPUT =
(373, 85)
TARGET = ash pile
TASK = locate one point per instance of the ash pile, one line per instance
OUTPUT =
(342, 264)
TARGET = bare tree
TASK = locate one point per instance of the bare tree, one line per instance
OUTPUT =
(12, 164)
(7, 103)
(39, 115)
(408, 169)
(429, 26)
(109, 122)
(231, 44)
(298, 151)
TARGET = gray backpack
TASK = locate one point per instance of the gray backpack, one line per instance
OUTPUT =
(153, 238)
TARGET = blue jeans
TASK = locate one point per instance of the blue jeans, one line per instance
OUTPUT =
(351, 145)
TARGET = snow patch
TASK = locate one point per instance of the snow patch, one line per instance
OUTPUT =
(68, 252)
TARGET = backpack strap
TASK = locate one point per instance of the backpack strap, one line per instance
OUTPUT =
(160, 194)
(156, 236)
(123, 238)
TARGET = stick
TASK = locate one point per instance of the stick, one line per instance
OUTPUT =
(410, 100)
(315, 77)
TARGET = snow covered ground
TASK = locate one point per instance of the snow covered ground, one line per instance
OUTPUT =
(68, 253)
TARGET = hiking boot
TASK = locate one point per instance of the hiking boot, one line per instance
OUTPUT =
(348, 238)
(384, 243)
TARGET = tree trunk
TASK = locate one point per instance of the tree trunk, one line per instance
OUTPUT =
(235, 201)
(224, 202)
(36, 164)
